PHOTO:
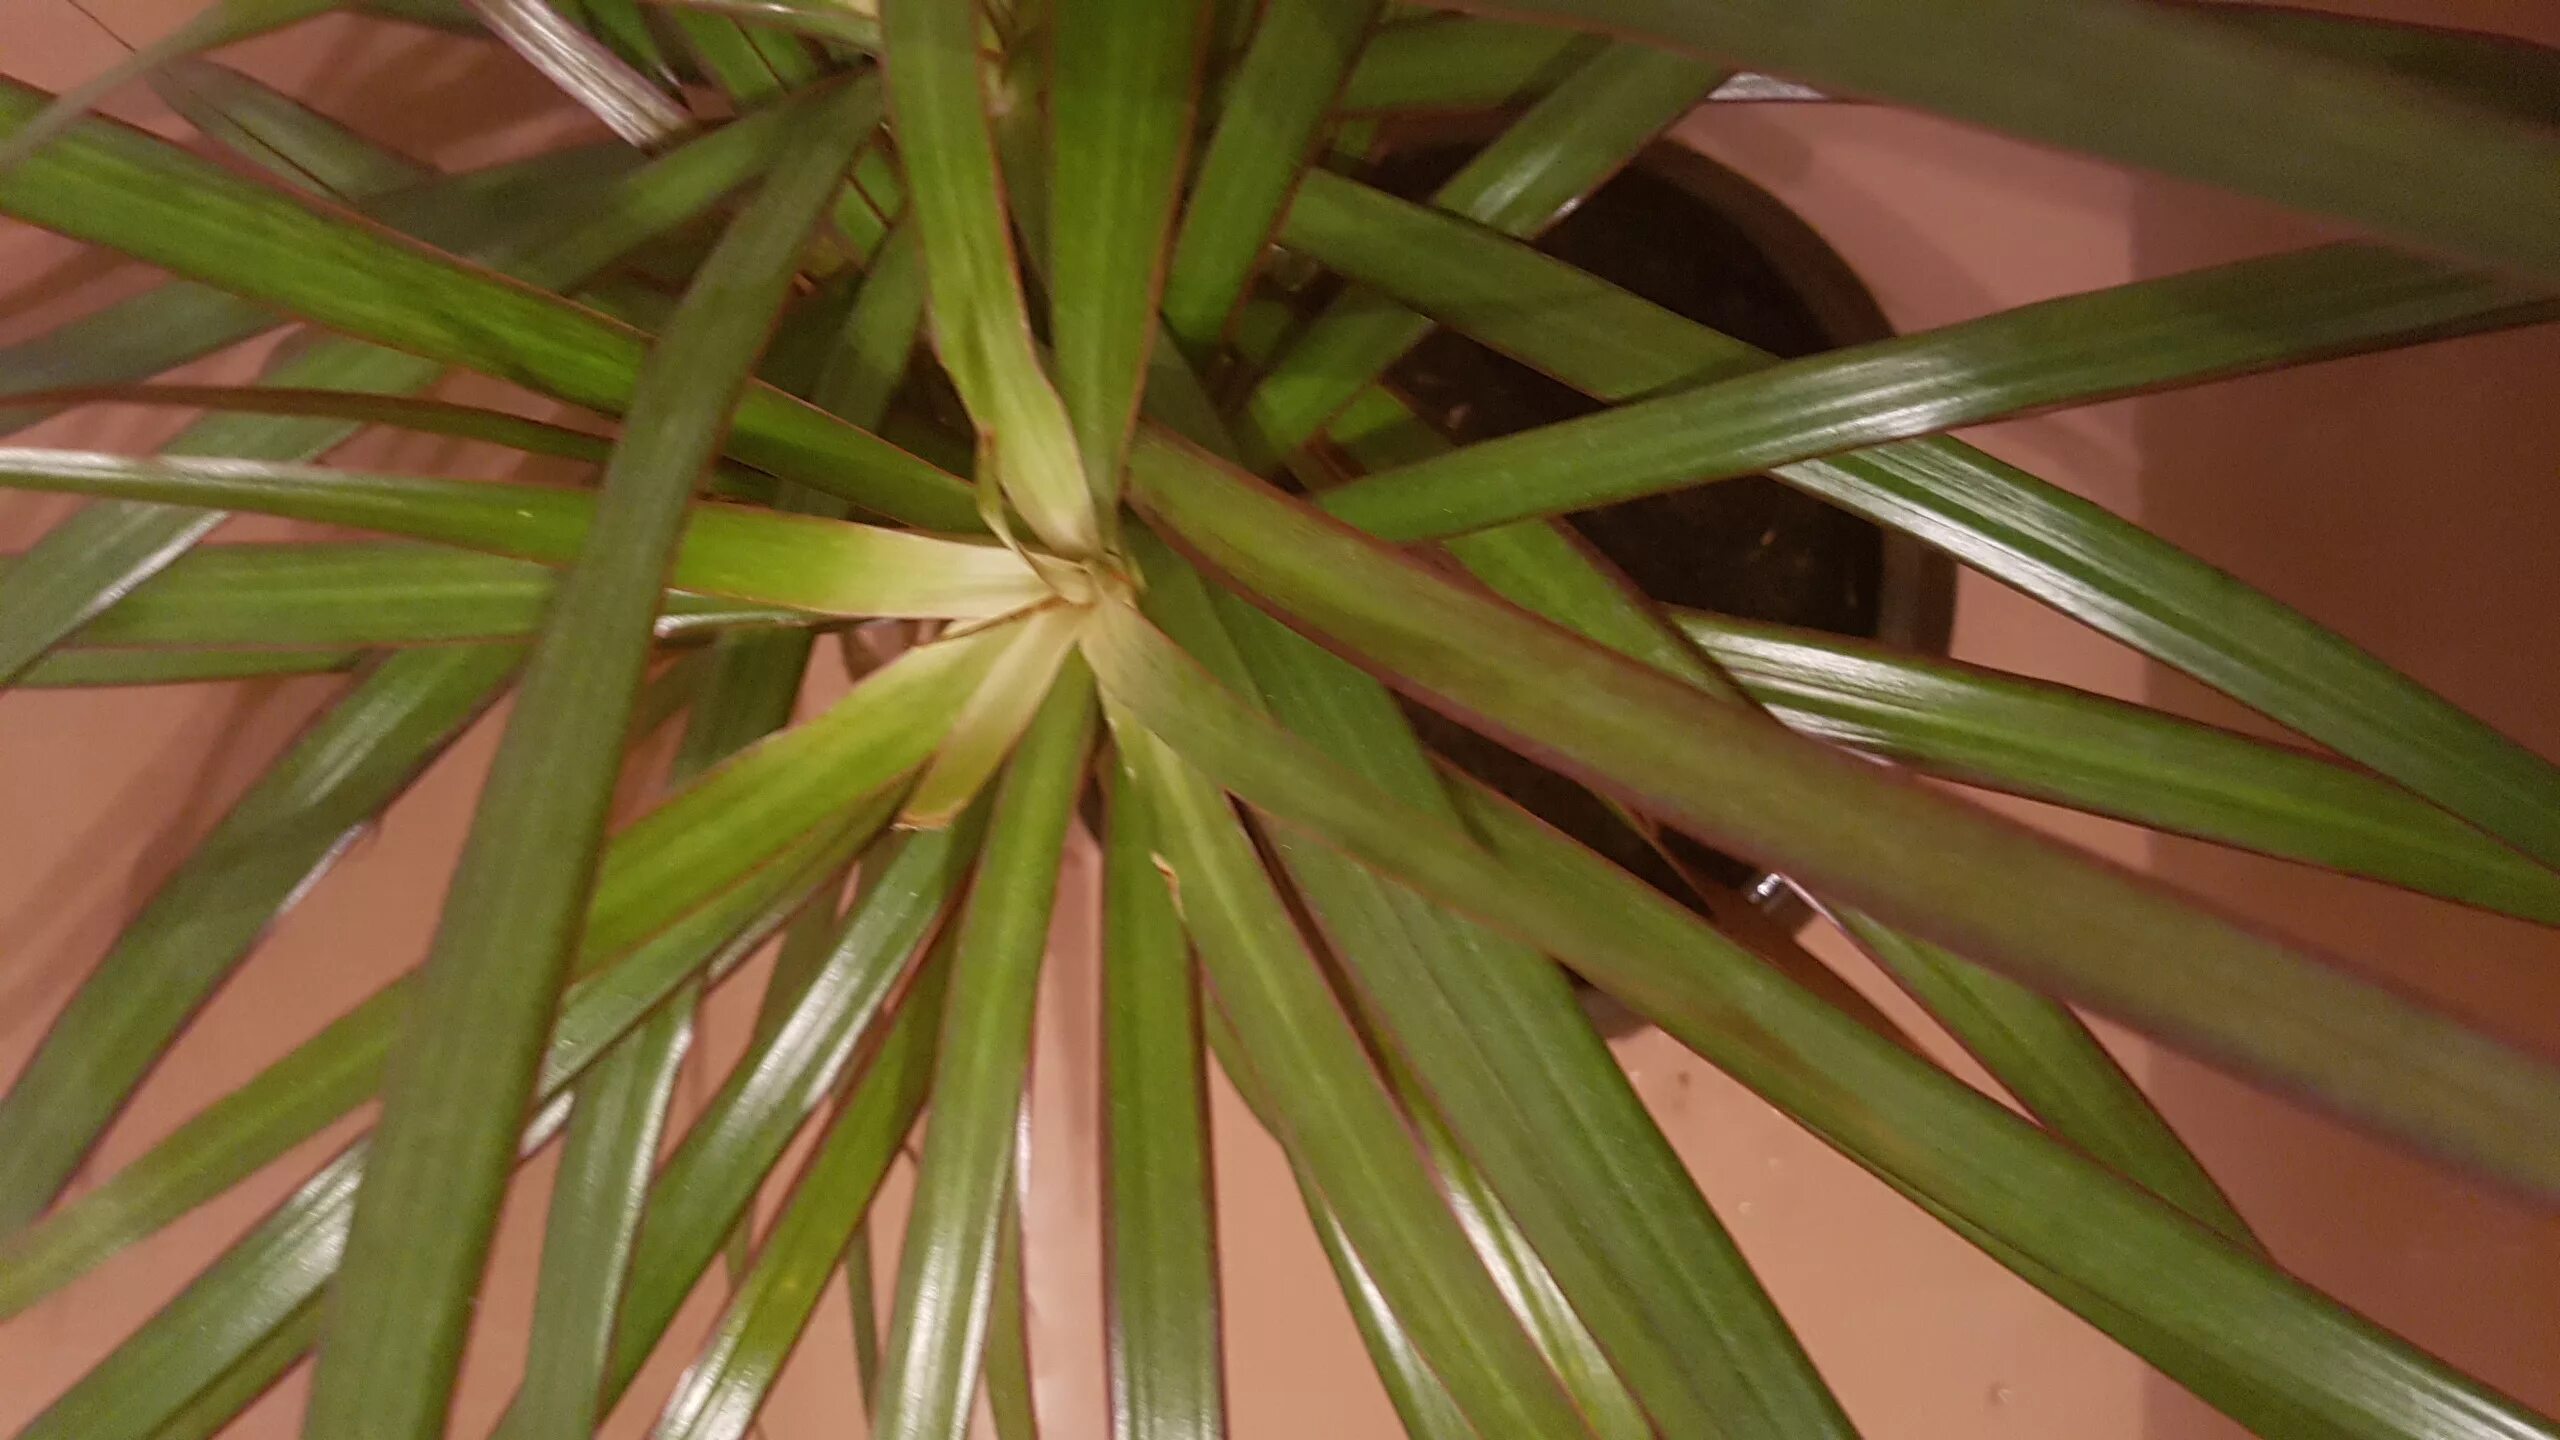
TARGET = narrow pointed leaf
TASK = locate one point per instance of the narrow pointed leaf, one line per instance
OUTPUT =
(2183, 329)
(391, 1345)
(800, 561)
(585, 69)
(101, 669)
(1984, 887)
(829, 20)
(946, 1272)
(994, 718)
(178, 321)
(2347, 140)
(1448, 62)
(113, 186)
(1269, 115)
(2070, 553)
(338, 593)
(216, 25)
(100, 554)
(1493, 1031)
(1120, 104)
(337, 1070)
(2252, 1341)
(615, 1120)
(1161, 1306)
(2092, 753)
(1007, 1380)
(201, 922)
(719, 1395)
(287, 139)
(981, 327)
(2042, 1054)
(1567, 144)
(1335, 1116)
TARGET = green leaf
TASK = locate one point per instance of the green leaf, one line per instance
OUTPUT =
(178, 321)
(2245, 1337)
(1334, 1116)
(100, 554)
(337, 1070)
(218, 24)
(1495, 1034)
(468, 1058)
(946, 1272)
(2059, 548)
(1421, 1402)
(281, 136)
(1120, 101)
(981, 327)
(829, 20)
(99, 669)
(676, 886)
(1269, 114)
(1984, 887)
(226, 1314)
(362, 593)
(585, 69)
(800, 561)
(2102, 755)
(1448, 62)
(2153, 88)
(1007, 1378)
(1160, 1240)
(2041, 1053)
(615, 1120)
(2495, 72)
(112, 186)
(212, 1408)
(1525, 1282)
(994, 718)
(718, 1397)
(271, 847)
(2182, 329)
(1568, 143)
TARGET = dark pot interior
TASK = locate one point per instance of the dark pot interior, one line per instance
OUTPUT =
(1697, 239)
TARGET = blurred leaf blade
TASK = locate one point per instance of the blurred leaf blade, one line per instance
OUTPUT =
(1160, 1240)
(981, 324)
(1271, 110)
(1335, 1115)
(2041, 1053)
(1121, 95)
(119, 188)
(391, 1346)
(2054, 546)
(1569, 142)
(585, 69)
(2349, 140)
(251, 598)
(2112, 758)
(1495, 1036)
(946, 1275)
(802, 562)
(1986, 888)
(197, 927)
(720, 1393)
(2243, 1336)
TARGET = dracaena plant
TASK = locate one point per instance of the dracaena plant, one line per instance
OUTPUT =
(999, 325)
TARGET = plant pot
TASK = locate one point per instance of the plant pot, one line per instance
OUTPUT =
(1700, 240)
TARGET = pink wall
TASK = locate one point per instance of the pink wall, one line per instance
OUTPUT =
(2400, 499)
